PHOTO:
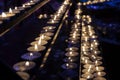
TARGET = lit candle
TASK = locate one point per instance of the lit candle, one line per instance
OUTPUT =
(36, 48)
(27, 63)
(100, 68)
(39, 42)
(31, 54)
(100, 74)
(10, 10)
(24, 65)
(4, 15)
(99, 78)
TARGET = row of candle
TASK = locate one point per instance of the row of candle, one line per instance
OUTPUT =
(72, 51)
(37, 46)
(91, 60)
(16, 10)
(94, 2)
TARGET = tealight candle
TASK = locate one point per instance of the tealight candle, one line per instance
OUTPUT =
(98, 62)
(89, 70)
(72, 49)
(70, 59)
(4, 16)
(99, 68)
(49, 27)
(87, 76)
(71, 54)
(45, 38)
(31, 56)
(100, 74)
(24, 65)
(39, 43)
(69, 66)
(36, 48)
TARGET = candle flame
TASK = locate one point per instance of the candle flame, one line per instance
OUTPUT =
(16, 7)
(10, 10)
(67, 64)
(40, 40)
(4, 14)
(27, 63)
(36, 47)
(99, 73)
(23, 5)
(97, 68)
(31, 54)
(42, 37)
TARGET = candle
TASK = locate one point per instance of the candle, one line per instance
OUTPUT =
(87, 76)
(69, 66)
(72, 49)
(100, 74)
(39, 43)
(3, 16)
(89, 70)
(70, 59)
(36, 48)
(45, 38)
(97, 63)
(23, 75)
(49, 27)
(71, 54)
(31, 56)
(73, 41)
(99, 68)
(24, 65)
(6, 15)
